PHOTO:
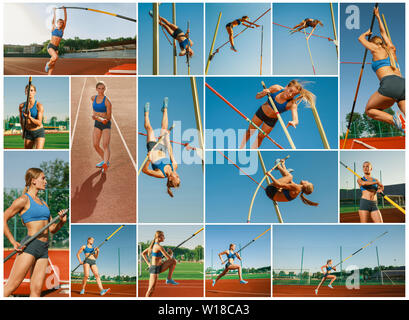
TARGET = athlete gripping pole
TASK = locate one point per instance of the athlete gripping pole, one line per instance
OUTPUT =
(359, 83)
(258, 187)
(242, 115)
(381, 193)
(259, 236)
(102, 243)
(279, 117)
(24, 110)
(279, 217)
(25, 243)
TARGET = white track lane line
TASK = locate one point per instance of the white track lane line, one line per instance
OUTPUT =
(78, 111)
(123, 140)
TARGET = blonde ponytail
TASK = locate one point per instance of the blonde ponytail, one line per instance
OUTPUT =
(32, 173)
(304, 94)
(306, 201)
(157, 234)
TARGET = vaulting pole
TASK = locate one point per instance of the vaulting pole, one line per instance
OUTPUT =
(359, 83)
(212, 46)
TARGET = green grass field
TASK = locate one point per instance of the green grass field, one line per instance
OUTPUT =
(183, 271)
(52, 141)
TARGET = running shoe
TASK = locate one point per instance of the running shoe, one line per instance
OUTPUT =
(165, 104)
(147, 107)
(151, 13)
(105, 167)
(397, 120)
(243, 282)
(47, 67)
(329, 286)
(316, 291)
(171, 281)
(100, 164)
(214, 282)
(104, 291)
(403, 121)
(82, 291)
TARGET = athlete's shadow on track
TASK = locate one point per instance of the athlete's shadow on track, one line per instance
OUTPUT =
(84, 200)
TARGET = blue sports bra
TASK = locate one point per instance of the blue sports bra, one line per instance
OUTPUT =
(371, 187)
(281, 107)
(161, 164)
(99, 107)
(89, 250)
(36, 212)
(157, 254)
(57, 32)
(231, 255)
(381, 63)
(329, 268)
(33, 110)
(184, 44)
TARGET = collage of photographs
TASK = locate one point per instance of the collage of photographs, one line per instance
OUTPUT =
(201, 150)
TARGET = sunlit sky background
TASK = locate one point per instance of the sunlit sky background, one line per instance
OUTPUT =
(27, 23)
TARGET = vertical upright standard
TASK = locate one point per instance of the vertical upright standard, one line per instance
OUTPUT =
(155, 53)
(198, 117)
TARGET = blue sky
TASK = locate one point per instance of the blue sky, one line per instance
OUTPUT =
(192, 12)
(155, 205)
(174, 235)
(323, 242)
(256, 255)
(388, 167)
(229, 193)
(353, 51)
(247, 60)
(37, 18)
(290, 53)
(16, 164)
(241, 92)
(107, 262)
(53, 93)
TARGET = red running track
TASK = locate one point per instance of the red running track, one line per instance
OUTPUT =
(97, 197)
